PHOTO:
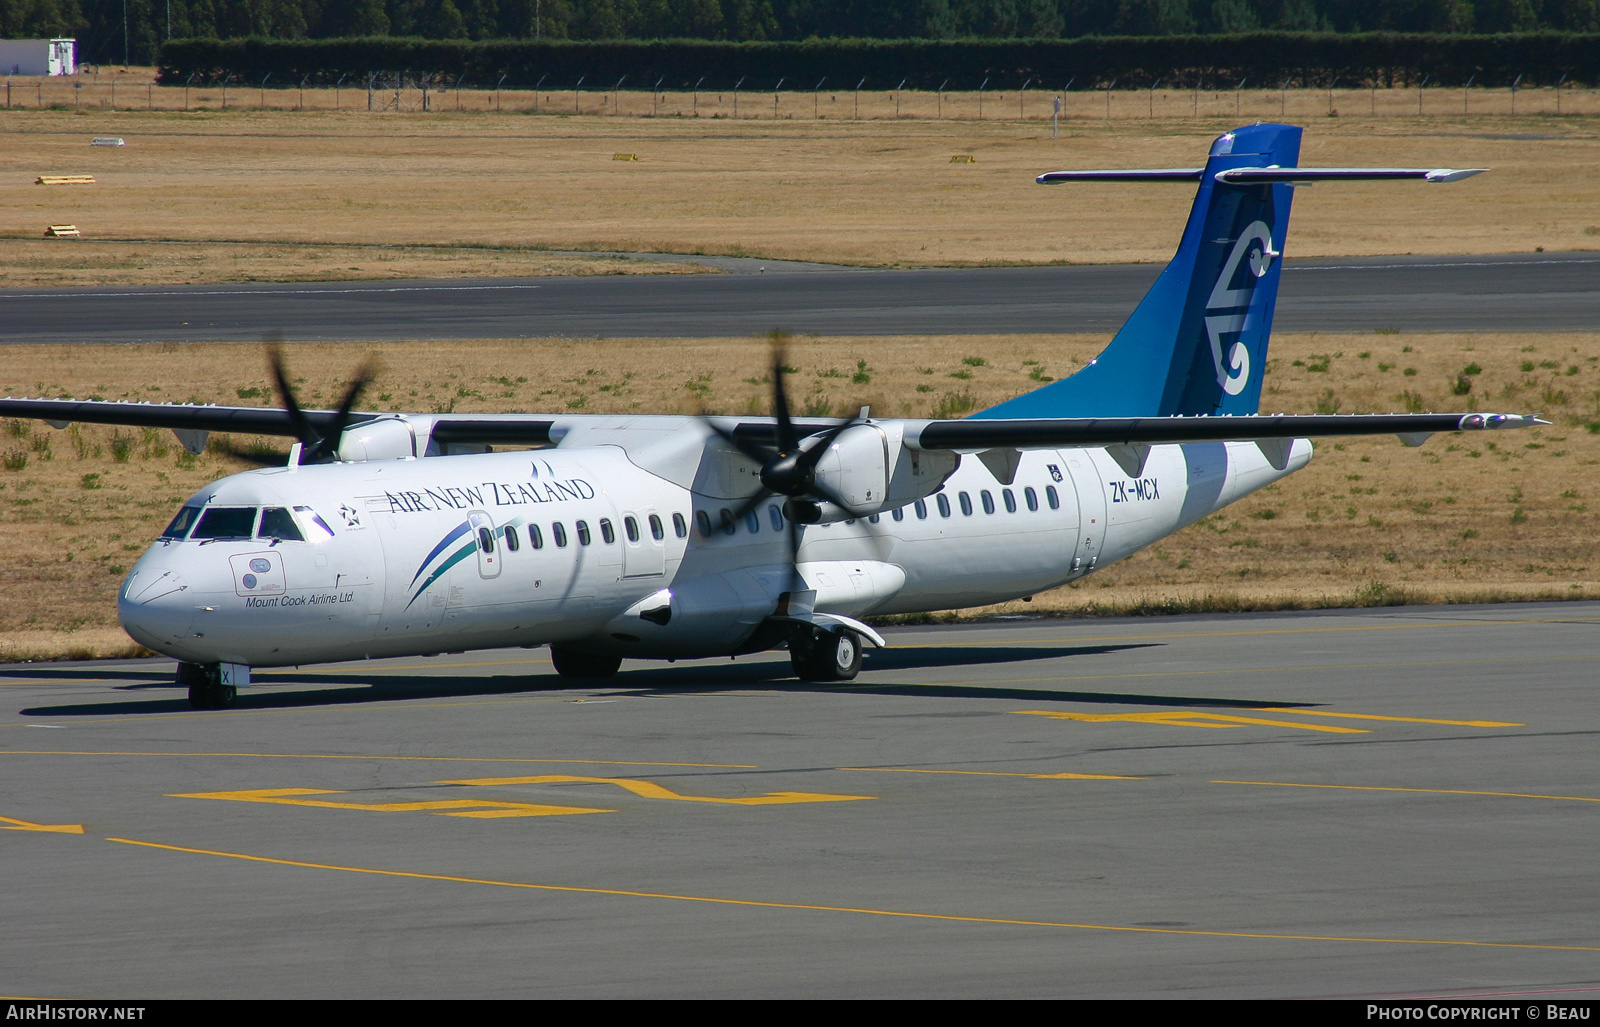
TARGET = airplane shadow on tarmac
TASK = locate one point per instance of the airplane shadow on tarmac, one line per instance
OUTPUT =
(656, 682)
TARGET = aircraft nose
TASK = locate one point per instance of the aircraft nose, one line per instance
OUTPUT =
(154, 607)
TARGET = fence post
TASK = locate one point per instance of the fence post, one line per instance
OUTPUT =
(371, 80)
(858, 98)
(1513, 95)
(186, 89)
(655, 94)
(1562, 79)
(980, 96)
(941, 98)
(1153, 86)
(815, 98)
(1283, 98)
(1022, 99)
(336, 86)
(1463, 94)
(897, 98)
(303, 91)
(264, 90)
(1330, 94)
(575, 93)
(459, 80)
(536, 86)
(225, 79)
(1237, 90)
(497, 86)
(736, 86)
(616, 96)
(696, 96)
(1112, 86)
(775, 90)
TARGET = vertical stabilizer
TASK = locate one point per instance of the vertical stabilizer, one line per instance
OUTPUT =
(1197, 342)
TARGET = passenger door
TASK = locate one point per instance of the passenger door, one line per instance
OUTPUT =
(644, 545)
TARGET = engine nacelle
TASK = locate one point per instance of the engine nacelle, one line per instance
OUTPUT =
(871, 469)
(387, 438)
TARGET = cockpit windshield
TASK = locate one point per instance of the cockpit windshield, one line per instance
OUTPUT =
(278, 523)
(226, 522)
(182, 523)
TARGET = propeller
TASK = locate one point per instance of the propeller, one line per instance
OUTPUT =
(789, 470)
(320, 444)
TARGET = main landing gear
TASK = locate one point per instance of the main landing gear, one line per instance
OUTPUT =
(570, 663)
(206, 690)
(824, 654)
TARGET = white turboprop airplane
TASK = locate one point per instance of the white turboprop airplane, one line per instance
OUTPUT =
(670, 537)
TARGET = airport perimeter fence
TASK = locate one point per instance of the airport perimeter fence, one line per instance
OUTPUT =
(1281, 59)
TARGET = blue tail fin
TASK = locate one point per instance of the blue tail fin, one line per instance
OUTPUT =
(1197, 343)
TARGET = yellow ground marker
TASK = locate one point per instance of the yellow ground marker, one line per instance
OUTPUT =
(1404, 720)
(1190, 718)
(651, 790)
(997, 773)
(809, 907)
(1430, 791)
(439, 807)
(24, 825)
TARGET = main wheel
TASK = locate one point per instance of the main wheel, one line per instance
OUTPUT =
(570, 663)
(822, 655)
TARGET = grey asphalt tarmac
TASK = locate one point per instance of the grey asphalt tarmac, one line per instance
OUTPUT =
(1395, 802)
(1512, 292)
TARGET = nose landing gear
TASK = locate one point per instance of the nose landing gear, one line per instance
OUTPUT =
(207, 691)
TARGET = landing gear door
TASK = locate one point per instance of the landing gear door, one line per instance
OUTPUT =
(489, 558)
(1083, 479)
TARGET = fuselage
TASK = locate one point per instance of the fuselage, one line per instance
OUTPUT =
(583, 546)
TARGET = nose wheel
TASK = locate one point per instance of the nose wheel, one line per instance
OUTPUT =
(819, 654)
(206, 690)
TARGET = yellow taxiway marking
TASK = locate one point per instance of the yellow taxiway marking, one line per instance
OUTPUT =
(9, 824)
(1404, 720)
(651, 790)
(1431, 791)
(440, 807)
(817, 908)
(997, 773)
(350, 756)
(1190, 718)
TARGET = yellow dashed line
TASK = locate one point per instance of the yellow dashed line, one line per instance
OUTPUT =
(1405, 720)
(417, 759)
(817, 908)
(651, 790)
(1190, 718)
(997, 773)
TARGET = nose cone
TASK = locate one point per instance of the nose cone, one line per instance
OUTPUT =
(156, 607)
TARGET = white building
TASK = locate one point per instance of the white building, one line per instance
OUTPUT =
(38, 56)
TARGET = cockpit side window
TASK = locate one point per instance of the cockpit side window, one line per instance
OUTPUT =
(226, 522)
(319, 527)
(182, 523)
(277, 522)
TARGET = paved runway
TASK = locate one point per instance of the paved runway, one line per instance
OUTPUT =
(1513, 292)
(1397, 802)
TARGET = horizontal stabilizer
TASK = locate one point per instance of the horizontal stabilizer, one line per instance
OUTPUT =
(1306, 176)
(1147, 175)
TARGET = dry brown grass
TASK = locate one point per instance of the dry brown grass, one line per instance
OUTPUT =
(1465, 517)
(875, 192)
(56, 263)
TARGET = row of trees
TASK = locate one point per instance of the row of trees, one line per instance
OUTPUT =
(110, 30)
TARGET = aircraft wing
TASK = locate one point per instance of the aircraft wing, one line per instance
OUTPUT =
(187, 417)
(978, 434)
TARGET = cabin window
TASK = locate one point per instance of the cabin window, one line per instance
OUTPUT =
(319, 527)
(922, 510)
(752, 522)
(584, 535)
(657, 531)
(966, 504)
(775, 515)
(182, 523)
(277, 522)
(513, 543)
(226, 522)
(704, 520)
(535, 536)
(679, 526)
(944, 504)
(558, 531)
(607, 532)
(630, 527)
(988, 501)
(728, 525)
(898, 513)
(486, 540)
(1051, 497)
(1010, 500)
(1031, 498)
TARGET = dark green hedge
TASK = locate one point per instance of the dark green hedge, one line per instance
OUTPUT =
(1264, 58)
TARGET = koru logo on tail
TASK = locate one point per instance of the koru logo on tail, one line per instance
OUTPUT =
(1255, 245)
